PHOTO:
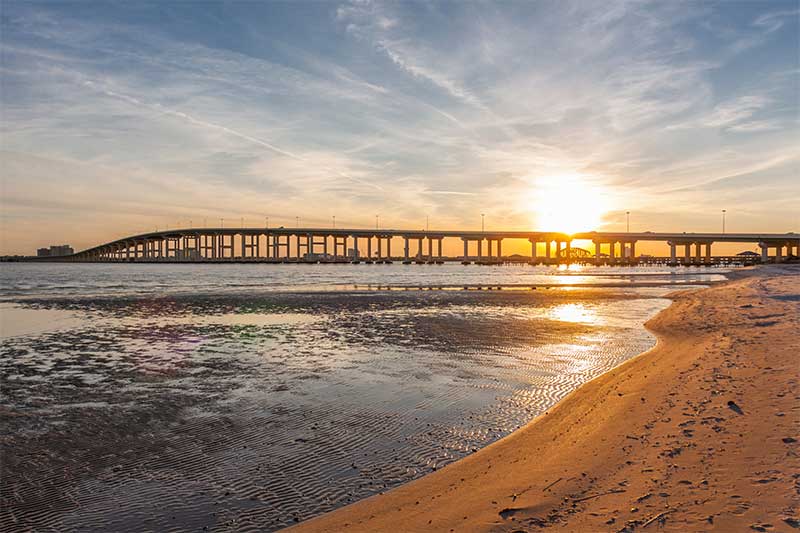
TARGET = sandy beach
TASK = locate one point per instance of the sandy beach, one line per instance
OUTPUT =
(698, 434)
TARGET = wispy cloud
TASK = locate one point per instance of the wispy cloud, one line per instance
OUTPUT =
(775, 20)
(218, 127)
(733, 115)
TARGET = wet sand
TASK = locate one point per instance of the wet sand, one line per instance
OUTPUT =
(251, 412)
(698, 434)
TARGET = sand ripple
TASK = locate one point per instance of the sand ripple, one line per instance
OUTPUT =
(152, 415)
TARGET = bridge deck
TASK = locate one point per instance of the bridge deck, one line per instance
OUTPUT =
(218, 243)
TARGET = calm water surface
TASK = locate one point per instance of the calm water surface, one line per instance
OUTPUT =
(25, 280)
(248, 397)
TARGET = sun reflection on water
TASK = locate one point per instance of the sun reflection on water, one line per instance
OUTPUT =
(576, 313)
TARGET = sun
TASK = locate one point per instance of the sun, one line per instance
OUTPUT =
(568, 203)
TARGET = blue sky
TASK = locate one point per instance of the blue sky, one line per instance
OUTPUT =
(123, 117)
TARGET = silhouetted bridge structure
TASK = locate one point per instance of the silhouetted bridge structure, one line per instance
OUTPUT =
(312, 245)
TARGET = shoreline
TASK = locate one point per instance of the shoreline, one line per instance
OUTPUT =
(241, 413)
(698, 433)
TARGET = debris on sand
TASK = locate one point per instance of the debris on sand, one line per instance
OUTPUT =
(735, 408)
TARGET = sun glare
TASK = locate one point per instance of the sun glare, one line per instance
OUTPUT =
(577, 313)
(568, 203)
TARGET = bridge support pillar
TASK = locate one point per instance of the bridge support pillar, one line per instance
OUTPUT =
(226, 246)
(466, 249)
(339, 242)
(405, 249)
(764, 252)
(500, 250)
(547, 252)
(419, 249)
(632, 255)
(568, 252)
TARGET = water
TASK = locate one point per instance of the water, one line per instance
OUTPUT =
(24, 280)
(246, 397)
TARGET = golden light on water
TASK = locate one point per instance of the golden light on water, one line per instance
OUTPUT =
(569, 202)
(574, 312)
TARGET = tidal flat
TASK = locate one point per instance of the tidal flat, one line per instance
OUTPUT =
(253, 411)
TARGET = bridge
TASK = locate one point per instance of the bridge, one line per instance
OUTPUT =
(311, 245)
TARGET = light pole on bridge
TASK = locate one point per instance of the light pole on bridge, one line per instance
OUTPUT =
(483, 222)
(334, 221)
(377, 217)
(628, 221)
(221, 222)
(723, 221)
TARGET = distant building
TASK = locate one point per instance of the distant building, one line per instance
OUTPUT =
(62, 249)
(55, 251)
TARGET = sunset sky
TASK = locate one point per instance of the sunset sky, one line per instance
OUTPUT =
(127, 117)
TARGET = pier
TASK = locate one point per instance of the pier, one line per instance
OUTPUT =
(320, 245)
